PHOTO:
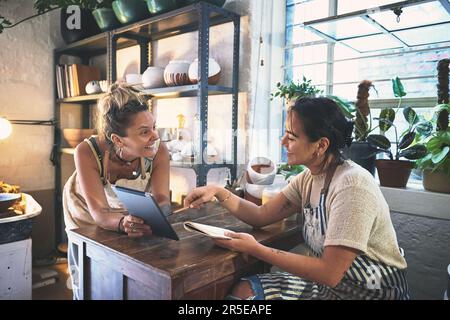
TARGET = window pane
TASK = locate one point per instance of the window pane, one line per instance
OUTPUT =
(298, 34)
(412, 64)
(306, 11)
(373, 43)
(425, 35)
(419, 15)
(346, 28)
(307, 54)
(415, 88)
(317, 73)
(346, 6)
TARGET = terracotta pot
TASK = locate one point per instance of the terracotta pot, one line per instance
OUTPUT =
(394, 173)
(75, 136)
(436, 181)
(176, 73)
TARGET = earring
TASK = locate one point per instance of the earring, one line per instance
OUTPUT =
(120, 153)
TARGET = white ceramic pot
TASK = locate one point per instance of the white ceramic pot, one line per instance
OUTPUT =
(133, 78)
(153, 77)
(261, 171)
(93, 87)
(213, 72)
(176, 73)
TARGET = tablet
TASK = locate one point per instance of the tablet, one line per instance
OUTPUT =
(143, 205)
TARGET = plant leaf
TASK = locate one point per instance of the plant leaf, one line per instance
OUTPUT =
(441, 155)
(397, 87)
(424, 128)
(417, 151)
(407, 140)
(387, 117)
(346, 107)
(410, 116)
(379, 141)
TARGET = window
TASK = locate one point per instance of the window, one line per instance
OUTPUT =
(337, 44)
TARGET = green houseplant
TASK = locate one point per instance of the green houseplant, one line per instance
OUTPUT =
(436, 164)
(292, 91)
(394, 172)
(361, 151)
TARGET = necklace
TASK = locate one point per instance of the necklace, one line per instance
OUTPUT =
(126, 162)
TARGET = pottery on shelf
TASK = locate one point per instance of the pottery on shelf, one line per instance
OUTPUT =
(105, 18)
(75, 136)
(153, 77)
(129, 11)
(213, 72)
(218, 3)
(103, 85)
(176, 73)
(160, 6)
(93, 87)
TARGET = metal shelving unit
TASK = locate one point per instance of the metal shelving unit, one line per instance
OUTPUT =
(199, 18)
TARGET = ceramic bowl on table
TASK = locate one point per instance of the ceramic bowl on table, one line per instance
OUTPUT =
(8, 199)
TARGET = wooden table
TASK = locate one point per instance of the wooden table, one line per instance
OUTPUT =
(113, 266)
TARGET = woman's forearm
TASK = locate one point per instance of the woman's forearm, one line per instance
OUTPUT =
(310, 268)
(244, 210)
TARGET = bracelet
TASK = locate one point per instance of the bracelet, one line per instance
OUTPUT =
(118, 226)
(228, 197)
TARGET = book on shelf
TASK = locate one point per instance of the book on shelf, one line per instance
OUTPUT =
(71, 79)
(207, 230)
(82, 74)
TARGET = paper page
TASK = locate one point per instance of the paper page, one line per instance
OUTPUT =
(207, 230)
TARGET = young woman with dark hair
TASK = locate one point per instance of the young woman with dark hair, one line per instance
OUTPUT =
(346, 224)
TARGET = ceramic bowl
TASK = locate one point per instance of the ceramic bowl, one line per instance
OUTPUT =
(75, 136)
(153, 77)
(214, 72)
(104, 85)
(176, 73)
(8, 199)
(93, 87)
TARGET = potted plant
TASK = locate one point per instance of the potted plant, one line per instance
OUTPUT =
(293, 91)
(436, 164)
(361, 151)
(290, 171)
(394, 172)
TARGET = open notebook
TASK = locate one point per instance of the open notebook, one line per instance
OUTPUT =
(210, 231)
